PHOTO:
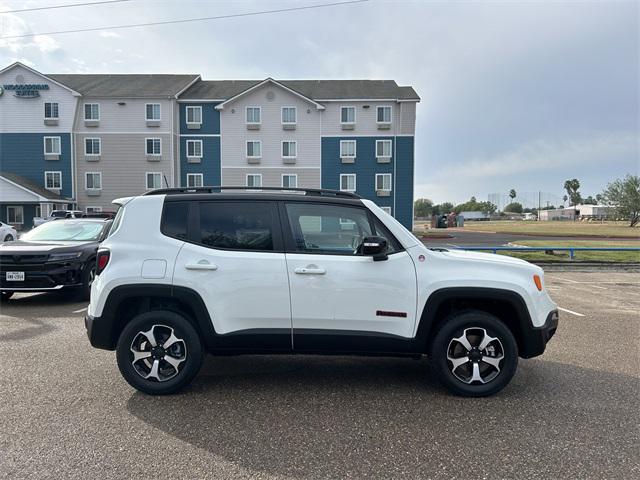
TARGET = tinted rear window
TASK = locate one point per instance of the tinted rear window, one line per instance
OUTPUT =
(174, 220)
(236, 225)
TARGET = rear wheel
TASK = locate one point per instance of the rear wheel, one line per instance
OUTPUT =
(159, 352)
(474, 354)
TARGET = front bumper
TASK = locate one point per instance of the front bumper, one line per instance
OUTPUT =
(41, 277)
(535, 340)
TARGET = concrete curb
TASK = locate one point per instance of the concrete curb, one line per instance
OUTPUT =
(588, 267)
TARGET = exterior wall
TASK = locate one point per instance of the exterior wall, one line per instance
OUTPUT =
(127, 118)
(407, 113)
(365, 118)
(28, 209)
(234, 135)
(209, 134)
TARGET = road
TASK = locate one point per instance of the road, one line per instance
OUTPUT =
(65, 412)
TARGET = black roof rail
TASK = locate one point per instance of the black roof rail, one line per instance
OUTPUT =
(219, 188)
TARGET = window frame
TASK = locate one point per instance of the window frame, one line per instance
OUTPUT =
(86, 183)
(355, 185)
(381, 175)
(95, 209)
(54, 172)
(246, 115)
(194, 142)
(295, 114)
(146, 112)
(390, 107)
(295, 143)
(259, 175)
(294, 175)
(50, 137)
(146, 180)
(16, 208)
(195, 175)
(246, 148)
(99, 147)
(146, 140)
(355, 148)
(194, 108)
(381, 141)
(342, 107)
(386, 210)
(92, 104)
(57, 109)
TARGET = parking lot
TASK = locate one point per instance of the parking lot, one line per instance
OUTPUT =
(65, 411)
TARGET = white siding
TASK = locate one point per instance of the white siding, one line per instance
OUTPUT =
(272, 177)
(130, 117)
(408, 118)
(365, 119)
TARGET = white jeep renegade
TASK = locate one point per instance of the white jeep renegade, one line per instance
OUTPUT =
(230, 271)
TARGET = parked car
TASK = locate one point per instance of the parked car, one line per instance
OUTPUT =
(99, 215)
(55, 256)
(57, 215)
(229, 271)
(7, 233)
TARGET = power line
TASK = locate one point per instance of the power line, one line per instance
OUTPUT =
(186, 20)
(68, 5)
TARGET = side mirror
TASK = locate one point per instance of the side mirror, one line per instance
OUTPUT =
(375, 247)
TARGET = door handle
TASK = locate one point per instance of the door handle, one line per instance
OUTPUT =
(310, 270)
(201, 265)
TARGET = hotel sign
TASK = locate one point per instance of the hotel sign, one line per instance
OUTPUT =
(25, 90)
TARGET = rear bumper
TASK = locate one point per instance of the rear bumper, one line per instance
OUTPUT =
(535, 340)
(99, 332)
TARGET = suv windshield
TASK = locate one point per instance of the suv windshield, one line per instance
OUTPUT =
(65, 231)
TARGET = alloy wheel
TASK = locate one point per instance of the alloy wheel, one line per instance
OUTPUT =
(475, 356)
(158, 353)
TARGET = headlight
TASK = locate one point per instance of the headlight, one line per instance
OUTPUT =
(61, 257)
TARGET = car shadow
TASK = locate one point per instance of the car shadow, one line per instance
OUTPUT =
(340, 417)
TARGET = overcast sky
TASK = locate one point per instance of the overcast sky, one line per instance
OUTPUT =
(517, 95)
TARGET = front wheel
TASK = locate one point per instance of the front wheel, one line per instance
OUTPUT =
(474, 354)
(88, 276)
(9, 238)
(159, 352)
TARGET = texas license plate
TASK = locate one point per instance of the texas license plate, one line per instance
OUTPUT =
(15, 276)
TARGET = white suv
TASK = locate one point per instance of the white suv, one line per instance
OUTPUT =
(231, 271)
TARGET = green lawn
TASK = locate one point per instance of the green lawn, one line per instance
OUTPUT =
(579, 256)
(568, 228)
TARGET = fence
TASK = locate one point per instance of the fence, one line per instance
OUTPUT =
(571, 250)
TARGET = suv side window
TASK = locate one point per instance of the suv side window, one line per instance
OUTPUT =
(326, 228)
(174, 220)
(237, 225)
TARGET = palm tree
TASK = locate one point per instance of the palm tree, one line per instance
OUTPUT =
(512, 194)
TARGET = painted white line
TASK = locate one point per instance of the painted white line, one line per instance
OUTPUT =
(571, 312)
(80, 311)
(562, 279)
(598, 287)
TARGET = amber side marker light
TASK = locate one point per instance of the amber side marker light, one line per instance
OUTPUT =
(538, 282)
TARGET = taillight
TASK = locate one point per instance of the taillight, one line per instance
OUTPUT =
(102, 261)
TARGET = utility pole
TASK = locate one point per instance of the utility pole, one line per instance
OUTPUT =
(539, 199)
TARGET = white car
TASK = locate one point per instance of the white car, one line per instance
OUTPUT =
(231, 271)
(57, 215)
(7, 233)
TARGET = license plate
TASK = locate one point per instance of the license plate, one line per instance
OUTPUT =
(15, 276)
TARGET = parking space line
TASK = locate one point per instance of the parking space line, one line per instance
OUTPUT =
(80, 310)
(571, 312)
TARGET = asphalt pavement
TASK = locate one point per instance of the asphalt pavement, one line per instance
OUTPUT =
(65, 412)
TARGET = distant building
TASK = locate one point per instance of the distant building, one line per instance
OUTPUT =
(474, 215)
(578, 212)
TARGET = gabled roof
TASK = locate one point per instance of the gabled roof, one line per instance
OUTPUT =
(35, 72)
(26, 184)
(264, 82)
(316, 90)
(126, 85)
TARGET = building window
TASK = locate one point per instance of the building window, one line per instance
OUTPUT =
(383, 148)
(38, 211)
(348, 182)
(288, 115)
(93, 180)
(290, 180)
(347, 148)
(194, 148)
(153, 146)
(92, 146)
(53, 180)
(52, 145)
(383, 114)
(195, 180)
(383, 182)
(154, 180)
(92, 111)
(254, 180)
(253, 115)
(254, 149)
(289, 149)
(194, 115)
(94, 209)
(386, 209)
(348, 115)
(15, 215)
(50, 111)
(152, 111)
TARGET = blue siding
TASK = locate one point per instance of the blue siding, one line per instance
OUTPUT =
(210, 119)
(29, 211)
(366, 167)
(210, 164)
(23, 154)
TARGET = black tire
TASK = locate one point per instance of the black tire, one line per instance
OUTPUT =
(9, 238)
(446, 342)
(85, 290)
(182, 329)
(5, 296)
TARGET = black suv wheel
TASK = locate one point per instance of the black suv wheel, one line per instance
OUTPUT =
(159, 352)
(474, 354)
